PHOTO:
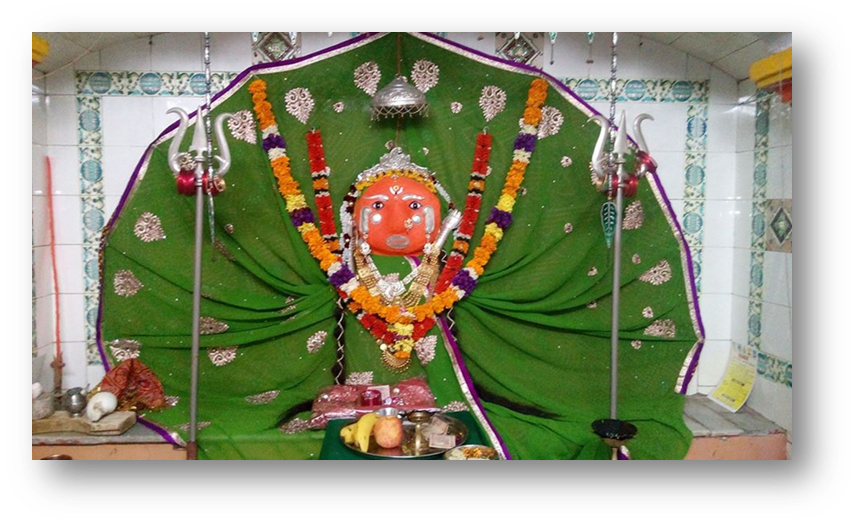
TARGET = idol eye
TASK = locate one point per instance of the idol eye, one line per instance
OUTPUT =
(416, 205)
(377, 205)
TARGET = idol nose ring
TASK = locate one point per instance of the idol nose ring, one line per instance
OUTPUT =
(409, 224)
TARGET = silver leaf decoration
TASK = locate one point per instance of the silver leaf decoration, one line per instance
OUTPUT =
(123, 349)
(210, 325)
(425, 75)
(367, 76)
(222, 356)
(125, 283)
(648, 313)
(633, 218)
(242, 126)
(316, 341)
(425, 349)
(295, 426)
(456, 107)
(199, 425)
(339, 107)
(455, 406)
(636, 344)
(148, 228)
(659, 274)
(359, 378)
(552, 120)
(299, 103)
(661, 328)
(262, 399)
(492, 102)
(565, 161)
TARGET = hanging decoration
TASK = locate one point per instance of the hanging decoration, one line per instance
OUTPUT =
(552, 37)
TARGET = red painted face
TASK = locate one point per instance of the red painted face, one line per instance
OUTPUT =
(394, 216)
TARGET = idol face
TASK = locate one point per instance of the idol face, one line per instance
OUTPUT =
(397, 216)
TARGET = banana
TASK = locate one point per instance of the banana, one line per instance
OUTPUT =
(347, 433)
(364, 430)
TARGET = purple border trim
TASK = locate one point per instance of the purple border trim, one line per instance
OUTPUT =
(695, 360)
(160, 431)
(457, 351)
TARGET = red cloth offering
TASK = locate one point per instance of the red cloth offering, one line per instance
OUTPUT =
(344, 401)
(135, 386)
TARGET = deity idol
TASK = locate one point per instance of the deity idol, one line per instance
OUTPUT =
(316, 279)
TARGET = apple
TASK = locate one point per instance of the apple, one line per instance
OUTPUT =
(388, 432)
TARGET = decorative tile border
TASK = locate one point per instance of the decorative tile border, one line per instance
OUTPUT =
(148, 83)
(774, 369)
(91, 86)
(757, 233)
(696, 95)
(778, 225)
(641, 90)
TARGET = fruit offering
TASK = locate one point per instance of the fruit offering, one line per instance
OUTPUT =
(388, 432)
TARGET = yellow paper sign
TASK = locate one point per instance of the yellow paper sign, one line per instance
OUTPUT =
(737, 382)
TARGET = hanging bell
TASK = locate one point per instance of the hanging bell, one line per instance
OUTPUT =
(399, 99)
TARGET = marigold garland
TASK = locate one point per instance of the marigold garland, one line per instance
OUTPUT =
(399, 328)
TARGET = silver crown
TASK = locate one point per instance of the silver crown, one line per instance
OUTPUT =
(395, 160)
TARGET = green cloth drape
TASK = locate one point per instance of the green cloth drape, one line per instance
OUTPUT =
(534, 335)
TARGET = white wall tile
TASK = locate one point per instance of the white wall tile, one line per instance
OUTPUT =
(744, 175)
(72, 321)
(44, 320)
(717, 266)
(42, 371)
(720, 176)
(743, 217)
(778, 278)
(697, 69)
(94, 374)
(40, 118)
(720, 223)
(780, 124)
(746, 134)
(668, 130)
(134, 55)
(177, 52)
(68, 225)
(777, 330)
(310, 42)
(234, 51)
(110, 203)
(70, 268)
(722, 128)
(74, 372)
(778, 182)
(127, 121)
(62, 120)
(722, 88)
(716, 312)
(712, 362)
(772, 400)
(61, 82)
(39, 182)
(486, 45)
(658, 60)
(119, 164)
(65, 170)
(44, 271)
(161, 119)
(671, 172)
(41, 227)
(89, 62)
(740, 311)
(746, 89)
(741, 272)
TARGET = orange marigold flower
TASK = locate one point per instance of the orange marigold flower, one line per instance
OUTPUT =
(532, 116)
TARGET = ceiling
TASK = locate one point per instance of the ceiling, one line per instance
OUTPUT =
(730, 52)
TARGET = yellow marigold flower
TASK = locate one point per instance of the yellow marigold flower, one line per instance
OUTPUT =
(506, 203)
(494, 230)
(306, 227)
(295, 202)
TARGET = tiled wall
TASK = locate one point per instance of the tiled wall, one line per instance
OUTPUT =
(43, 292)
(762, 283)
(98, 127)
